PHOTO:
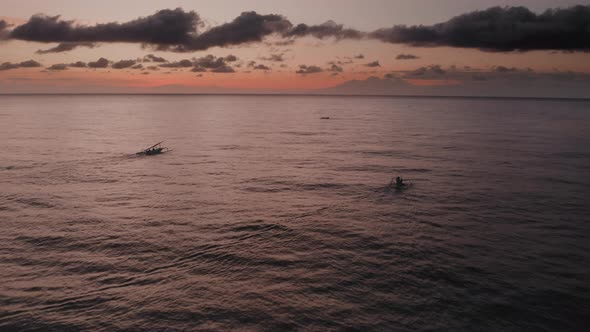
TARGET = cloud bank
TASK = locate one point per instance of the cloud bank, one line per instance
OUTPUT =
(495, 29)
(501, 29)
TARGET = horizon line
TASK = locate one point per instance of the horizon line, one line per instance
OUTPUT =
(288, 95)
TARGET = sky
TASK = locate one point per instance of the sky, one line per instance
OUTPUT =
(446, 47)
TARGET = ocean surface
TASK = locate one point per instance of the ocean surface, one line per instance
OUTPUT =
(265, 217)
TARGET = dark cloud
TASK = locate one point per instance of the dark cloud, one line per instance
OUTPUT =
(360, 56)
(304, 69)
(178, 64)
(30, 64)
(137, 66)
(58, 66)
(153, 68)
(153, 58)
(4, 30)
(493, 29)
(373, 64)
(274, 57)
(8, 66)
(231, 58)
(24, 64)
(502, 69)
(213, 64)
(210, 62)
(286, 42)
(344, 61)
(100, 63)
(122, 64)
(165, 27)
(248, 27)
(495, 73)
(223, 69)
(335, 68)
(78, 64)
(328, 29)
(433, 70)
(406, 57)
(65, 47)
(501, 29)
(261, 67)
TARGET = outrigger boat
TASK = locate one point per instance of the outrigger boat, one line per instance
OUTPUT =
(154, 149)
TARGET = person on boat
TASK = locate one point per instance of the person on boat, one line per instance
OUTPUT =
(399, 182)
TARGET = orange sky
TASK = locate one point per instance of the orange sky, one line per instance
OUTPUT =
(281, 76)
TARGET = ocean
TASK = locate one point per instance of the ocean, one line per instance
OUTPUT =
(265, 217)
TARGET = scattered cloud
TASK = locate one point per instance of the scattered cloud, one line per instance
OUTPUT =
(24, 64)
(153, 58)
(304, 69)
(78, 64)
(261, 67)
(210, 61)
(432, 70)
(223, 69)
(100, 63)
(335, 68)
(66, 47)
(403, 56)
(122, 64)
(373, 64)
(274, 57)
(231, 58)
(185, 63)
(30, 64)
(57, 67)
(502, 69)
(360, 56)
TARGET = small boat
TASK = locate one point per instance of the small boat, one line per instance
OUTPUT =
(152, 150)
(399, 186)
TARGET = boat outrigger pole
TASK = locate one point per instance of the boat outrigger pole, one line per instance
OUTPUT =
(153, 146)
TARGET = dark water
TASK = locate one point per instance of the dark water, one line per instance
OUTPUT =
(266, 218)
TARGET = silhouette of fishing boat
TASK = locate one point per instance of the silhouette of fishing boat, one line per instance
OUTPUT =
(153, 150)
